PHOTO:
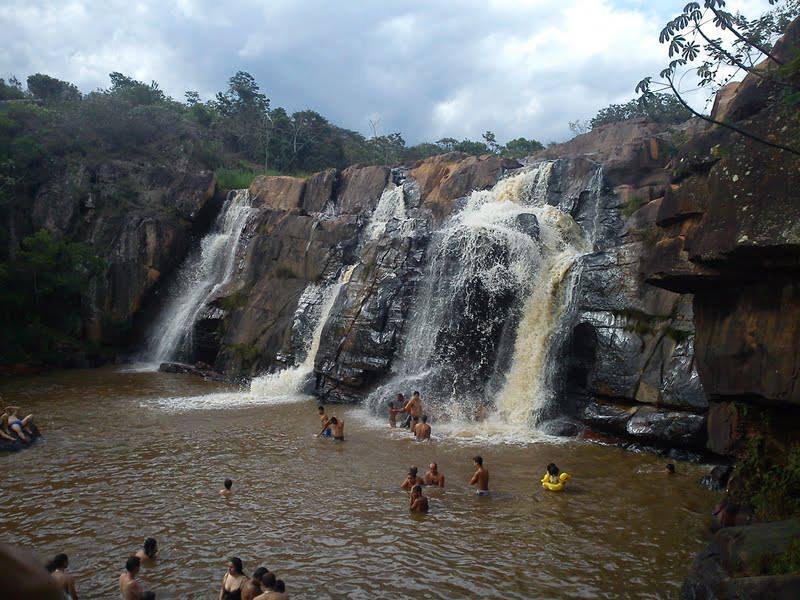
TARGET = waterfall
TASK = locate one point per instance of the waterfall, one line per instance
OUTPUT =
(482, 323)
(199, 279)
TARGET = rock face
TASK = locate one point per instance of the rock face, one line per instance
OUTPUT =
(140, 217)
(728, 234)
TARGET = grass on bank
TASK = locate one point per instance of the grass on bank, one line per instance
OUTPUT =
(237, 179)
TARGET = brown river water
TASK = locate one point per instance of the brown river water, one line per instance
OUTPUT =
(129, 455)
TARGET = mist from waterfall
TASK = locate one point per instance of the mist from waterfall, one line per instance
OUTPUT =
(481, 325)
(199, 279)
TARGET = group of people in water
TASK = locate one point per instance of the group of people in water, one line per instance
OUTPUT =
(14, 427)
(236, 585)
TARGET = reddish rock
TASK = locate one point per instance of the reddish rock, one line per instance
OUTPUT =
(360, 188)
(277, 192)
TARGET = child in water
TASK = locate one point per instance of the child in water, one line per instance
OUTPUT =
(554, 480)
(552, 473)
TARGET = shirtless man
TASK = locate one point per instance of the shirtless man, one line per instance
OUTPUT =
(128, 586)
(413, 407)
(433, 476)
(480, 478)
(59, 569)
(323, 419)
(148, 552)
(226, 490)
(252, 588)
(423, 430)
(411, 479)
(267, 586)
(417, 502)
(336, 425)
(393, 412)
(15, 424)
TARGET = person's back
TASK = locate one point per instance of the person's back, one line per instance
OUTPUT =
(423, 430)
(267, 587)
(59, 571)
(480, 478)
(128, 586)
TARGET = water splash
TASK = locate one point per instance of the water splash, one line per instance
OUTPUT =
(198, 282)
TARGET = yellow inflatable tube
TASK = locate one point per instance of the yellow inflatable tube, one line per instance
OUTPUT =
(555, 487)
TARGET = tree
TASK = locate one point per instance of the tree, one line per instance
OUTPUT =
(491, 142)
(716, 61)
(521, 147)
(51, 89)
(659, 108)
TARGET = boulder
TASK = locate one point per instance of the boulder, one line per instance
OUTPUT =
(360, 188)
(277, 192)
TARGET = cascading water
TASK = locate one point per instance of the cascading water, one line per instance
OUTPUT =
(199, 279)
(481, 325)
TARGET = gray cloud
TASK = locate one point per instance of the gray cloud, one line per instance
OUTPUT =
(426, 69)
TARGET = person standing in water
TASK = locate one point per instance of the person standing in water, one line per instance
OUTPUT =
(422, 430)
(411, 479)
(414, 409)
(227, 488)
(128, 586)
(480, 478)
(233, 581)
(336, 425)
(433, 476)
(323, 419)
(147, 554)
(417, 501)
(393, 412)
(252, 588)
(59, 569)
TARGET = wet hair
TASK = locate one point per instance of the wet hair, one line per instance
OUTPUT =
(417, 488)
(237, 564)
(400, 395)
(478, 460)
(552, 469)
(259, 573)
(228, 484)
(413, 471)
(671, 468)
(268, 580)
(416, 393)
(320, 407)
(416, 419)
(60, 561)
(334, 421)
(150, 546)
(424, 418)
(132, 564)
(280, 587)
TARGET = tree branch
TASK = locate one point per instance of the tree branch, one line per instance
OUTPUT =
(758, 47)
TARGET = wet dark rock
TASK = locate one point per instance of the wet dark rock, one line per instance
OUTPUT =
(736, 564)
(668, 427)
(717, 479)
(561, 428)
(200, 369)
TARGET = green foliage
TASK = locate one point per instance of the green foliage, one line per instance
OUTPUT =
(41, 294)
(633, 204)
(787, 562)
(50, 89)
(235, 179)
(11, 90)
(770, 483)
(659, 108)
(521, 147)
(247, 353)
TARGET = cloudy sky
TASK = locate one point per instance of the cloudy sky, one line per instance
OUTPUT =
(426, 68)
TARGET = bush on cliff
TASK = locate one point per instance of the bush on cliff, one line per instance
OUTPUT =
(769, 479)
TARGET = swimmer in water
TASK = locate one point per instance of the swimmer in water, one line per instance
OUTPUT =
(323, 419)
(480, 478)
(148, 552)
(669, 469)
(411, 479)
(337, 426)
(128, 586)
(252, 588)
(59, 570)
(423, 430)
(433, 476)
(226, 490)
(417, 502)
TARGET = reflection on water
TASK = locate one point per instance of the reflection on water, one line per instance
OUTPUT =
(124, 458)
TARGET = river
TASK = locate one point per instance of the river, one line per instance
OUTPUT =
(129, 455)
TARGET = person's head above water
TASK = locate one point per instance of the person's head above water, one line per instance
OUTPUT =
(235, 566)
(416, 394)
(670, 468)
(258, 574)
(321, 409)
(552, 469)
(60, 561)
(132, 565)
(417, 489)
(478, 460)
(424, 418)
(228, 483)
(280, 586)
(412, 471)
(268, 581)
(150, 547)
(433, 467)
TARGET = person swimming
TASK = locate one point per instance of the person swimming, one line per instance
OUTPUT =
(233, 581)
(669, 469)
(417, 502)
(480, 478)
(148, 552)
(411, 479)
(226, 490)
(324, 419)
(433, 476)
(59, 570)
